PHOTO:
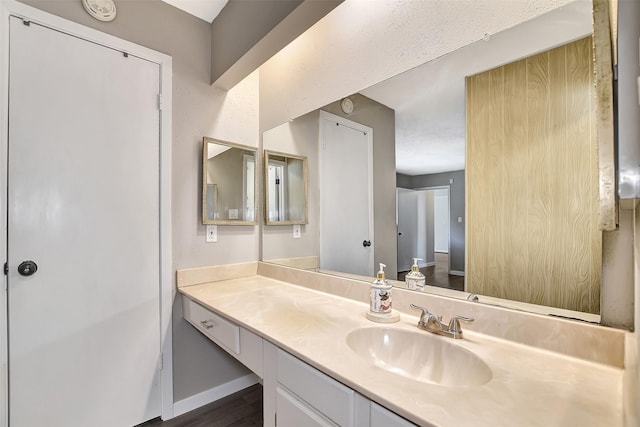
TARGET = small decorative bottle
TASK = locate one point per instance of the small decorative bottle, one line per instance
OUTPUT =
(380, 300)
(381, 293)
(415, 279)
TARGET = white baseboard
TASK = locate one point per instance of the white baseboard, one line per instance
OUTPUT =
(205, 397)
(456, 273)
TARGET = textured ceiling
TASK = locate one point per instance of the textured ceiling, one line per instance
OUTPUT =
(429, 100)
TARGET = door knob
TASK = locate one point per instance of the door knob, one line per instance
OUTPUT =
(366, 243)
(27, 268)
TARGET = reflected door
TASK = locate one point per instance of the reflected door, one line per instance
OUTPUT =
(346, 196)
(276, 183)
(441, 220)
(83, 205)
(407, 229)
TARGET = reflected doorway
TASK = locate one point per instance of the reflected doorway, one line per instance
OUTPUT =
(424, 232)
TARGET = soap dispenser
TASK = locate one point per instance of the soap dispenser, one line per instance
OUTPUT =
(415, 279)
(381, 292)
(380, 300)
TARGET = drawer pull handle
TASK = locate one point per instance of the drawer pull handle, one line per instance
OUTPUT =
(208, 324)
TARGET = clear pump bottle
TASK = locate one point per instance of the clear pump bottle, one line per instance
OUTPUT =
(415, 280)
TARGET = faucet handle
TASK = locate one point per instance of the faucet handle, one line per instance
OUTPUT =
(425, 313)
(425, 310)
(454, 325)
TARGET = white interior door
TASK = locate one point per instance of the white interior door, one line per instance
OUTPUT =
(346, 196)
(441, 213)
(83, 204)
(276, 183)
(407, 228)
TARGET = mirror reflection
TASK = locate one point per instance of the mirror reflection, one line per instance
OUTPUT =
(285, 180)
(424, 177)
(228, 183)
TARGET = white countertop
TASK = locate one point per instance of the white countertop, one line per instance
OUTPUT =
(529, 387)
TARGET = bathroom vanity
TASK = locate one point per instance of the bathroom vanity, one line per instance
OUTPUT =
(322, 363)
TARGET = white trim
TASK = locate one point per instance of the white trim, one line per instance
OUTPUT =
(4, 137)
(205, 397)
(456, 273)
(369, 132)
(13, 8)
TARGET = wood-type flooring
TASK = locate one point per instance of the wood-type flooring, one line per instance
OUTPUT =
(242, 409)
(438, 275)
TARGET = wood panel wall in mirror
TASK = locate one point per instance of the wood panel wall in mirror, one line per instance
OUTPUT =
(229, 183)
(532, 181)
(285, 185)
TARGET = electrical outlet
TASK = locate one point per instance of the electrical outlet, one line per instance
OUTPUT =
(459, 219)
(212, 234)
(296, 231)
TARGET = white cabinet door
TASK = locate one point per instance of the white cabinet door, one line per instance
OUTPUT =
(292, 412)
(321, 392)
(84, 330)
(382, 417)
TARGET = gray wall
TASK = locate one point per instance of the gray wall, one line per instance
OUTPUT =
(226, 171)
(382, 119)
(240, 25)
(457, 205)
(301, 135)
(198, 110)
(298, 137)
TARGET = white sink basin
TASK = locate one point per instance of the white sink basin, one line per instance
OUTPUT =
(419, 356)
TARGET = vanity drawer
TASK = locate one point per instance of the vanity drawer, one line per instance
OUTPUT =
(220, 330)
(323, 393)
(382, 417)
(293, 412)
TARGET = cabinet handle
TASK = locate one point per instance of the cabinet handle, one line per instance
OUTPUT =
(208, 324)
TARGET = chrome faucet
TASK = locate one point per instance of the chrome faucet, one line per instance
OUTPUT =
(432, 323)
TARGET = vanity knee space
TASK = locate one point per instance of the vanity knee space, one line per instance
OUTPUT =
(295, 393)
(239, 342)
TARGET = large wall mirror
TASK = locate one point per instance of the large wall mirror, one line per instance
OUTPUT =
(229, 183)
(429, 200)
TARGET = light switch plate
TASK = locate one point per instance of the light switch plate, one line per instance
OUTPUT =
(296, 231)
(233, 213)
(459, 219)
(212, 234)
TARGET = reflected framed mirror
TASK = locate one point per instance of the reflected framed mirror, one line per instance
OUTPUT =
(229, 183)
(285, 188)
